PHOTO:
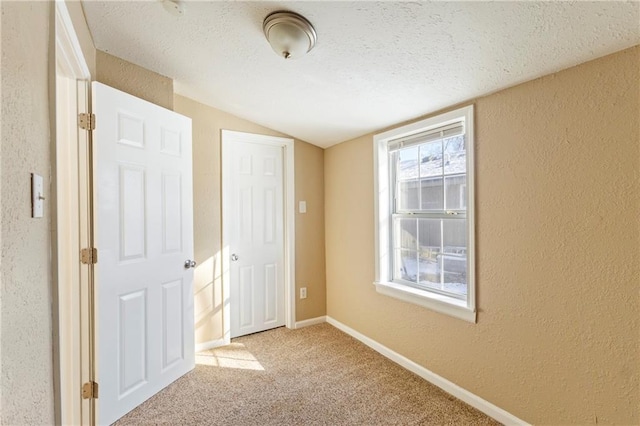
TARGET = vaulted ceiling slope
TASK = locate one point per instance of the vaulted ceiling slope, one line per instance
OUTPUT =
(375, 63)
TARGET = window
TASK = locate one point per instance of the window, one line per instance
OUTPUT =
(425, 227)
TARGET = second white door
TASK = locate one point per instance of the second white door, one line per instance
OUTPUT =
(254, 209)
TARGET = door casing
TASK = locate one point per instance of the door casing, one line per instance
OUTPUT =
(71, 190)
(229, 137)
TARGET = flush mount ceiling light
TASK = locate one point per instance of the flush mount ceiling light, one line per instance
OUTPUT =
(289, 34)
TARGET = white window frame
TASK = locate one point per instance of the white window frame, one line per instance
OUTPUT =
(463, 309)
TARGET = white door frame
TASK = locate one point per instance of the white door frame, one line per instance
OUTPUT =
(229, 137)
(72, 325)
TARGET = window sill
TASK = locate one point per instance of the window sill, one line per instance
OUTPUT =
(436, 302)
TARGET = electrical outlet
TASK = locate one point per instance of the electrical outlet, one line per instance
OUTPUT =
(303, 293)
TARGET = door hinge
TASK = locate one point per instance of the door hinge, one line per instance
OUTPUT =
(90, 390)
(87, 121)
(89, 256)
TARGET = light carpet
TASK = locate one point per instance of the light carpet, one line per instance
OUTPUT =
(317, 375)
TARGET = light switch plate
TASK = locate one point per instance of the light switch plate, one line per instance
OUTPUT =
(302, 206)
(37, 196)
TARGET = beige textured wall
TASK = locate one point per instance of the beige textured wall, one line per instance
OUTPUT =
(310, 264)
(207, 125)
(558, 238)
(133, 79)
(27, 387)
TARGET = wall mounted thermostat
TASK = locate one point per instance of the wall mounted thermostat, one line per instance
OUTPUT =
(37, 196)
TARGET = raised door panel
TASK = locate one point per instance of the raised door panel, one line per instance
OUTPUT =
(171, 212)
(132, 212)
(246, 210)
(270, 215)
(132, 342)
(172, 324)
(130, 130)
(170, 142)
(246, 295)
(270, 293)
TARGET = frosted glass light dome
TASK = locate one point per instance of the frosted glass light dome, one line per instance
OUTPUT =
(290, 35)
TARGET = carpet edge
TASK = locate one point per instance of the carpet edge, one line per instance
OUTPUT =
(462, 394)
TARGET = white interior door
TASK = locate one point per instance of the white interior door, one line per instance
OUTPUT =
(144, 235)
(254, 211)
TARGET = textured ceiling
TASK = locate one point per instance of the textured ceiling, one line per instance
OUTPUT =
(375, 63)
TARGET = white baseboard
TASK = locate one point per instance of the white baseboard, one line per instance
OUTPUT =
(311, 321)
(475, 401)
(210, 345)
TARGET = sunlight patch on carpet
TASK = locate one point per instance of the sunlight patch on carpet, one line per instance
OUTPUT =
(234, 355)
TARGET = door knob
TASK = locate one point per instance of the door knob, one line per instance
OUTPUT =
(234, 257)
(189, 264)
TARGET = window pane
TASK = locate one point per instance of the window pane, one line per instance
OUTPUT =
(408, 197)
(405, 265)
(405, 233)
(431, 159)
(432, 193)
(429, 235)
(407, 174)
(456, 192)
(408, 163)
(454, 256)
(429, 249)
(455, 155)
